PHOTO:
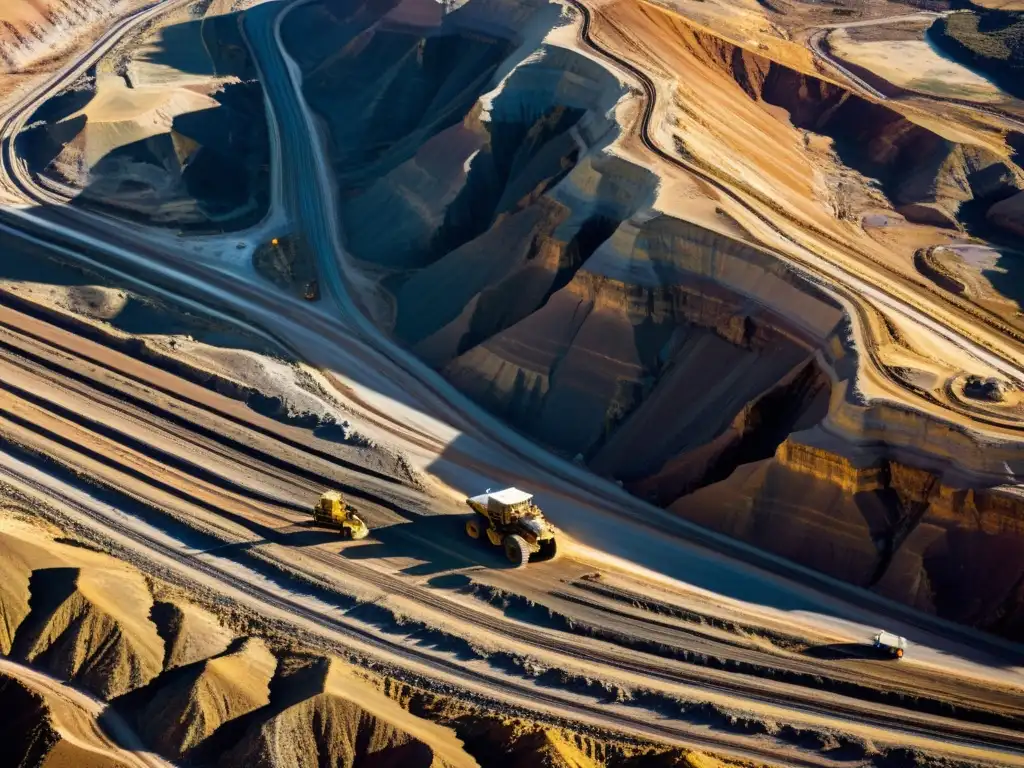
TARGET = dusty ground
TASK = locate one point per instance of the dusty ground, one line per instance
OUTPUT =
(179, 578)
(914, 64)
(177, 452)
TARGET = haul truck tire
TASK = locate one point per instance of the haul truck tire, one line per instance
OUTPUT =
(516, 550)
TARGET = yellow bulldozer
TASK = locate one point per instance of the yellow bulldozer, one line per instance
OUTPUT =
(333, 512)
(511, 520)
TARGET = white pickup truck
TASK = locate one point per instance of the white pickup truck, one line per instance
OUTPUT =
(892, 644)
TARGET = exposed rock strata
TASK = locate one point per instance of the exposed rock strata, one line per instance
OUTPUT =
(929, 178)
(525, 261)
(908, 533)
(528, 265)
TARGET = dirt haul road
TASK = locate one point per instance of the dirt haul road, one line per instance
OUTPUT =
(230, 479)
(871, 291)
(175, 452)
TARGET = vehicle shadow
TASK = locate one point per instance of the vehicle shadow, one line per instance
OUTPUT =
(436, 543)
(841, 651)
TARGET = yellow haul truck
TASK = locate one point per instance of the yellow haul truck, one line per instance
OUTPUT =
(511, 520)
(333, 512)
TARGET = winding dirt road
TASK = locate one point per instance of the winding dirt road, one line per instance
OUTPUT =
(197, 487)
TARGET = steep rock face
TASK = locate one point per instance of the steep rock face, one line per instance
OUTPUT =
(431, 158)
(325, 715)
(91, 626)
(525, 262)
(181, 710)
(905, 532)
(616, 365)
(928, 177)
(170, 132)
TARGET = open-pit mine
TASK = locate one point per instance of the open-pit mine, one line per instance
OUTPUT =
(512, 383)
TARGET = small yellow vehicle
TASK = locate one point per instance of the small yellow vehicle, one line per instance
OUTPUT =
(332, 511)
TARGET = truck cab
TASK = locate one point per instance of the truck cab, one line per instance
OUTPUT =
(894, 645)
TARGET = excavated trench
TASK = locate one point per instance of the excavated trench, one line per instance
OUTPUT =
(526, 264)
(186, 147)
(525, 261)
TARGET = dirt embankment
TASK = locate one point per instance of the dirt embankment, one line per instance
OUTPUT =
(169, 129)
(929, 178)
(202, 685)
(990, 40)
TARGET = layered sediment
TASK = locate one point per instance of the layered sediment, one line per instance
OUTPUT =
(912, 534)
(225, 695)
(534, 265)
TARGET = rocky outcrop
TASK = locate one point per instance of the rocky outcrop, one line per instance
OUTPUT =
(615, 366)
(929, 178)
(911, 534)
(1008, 214)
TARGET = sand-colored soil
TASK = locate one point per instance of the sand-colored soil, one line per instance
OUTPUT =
(45, 729)
(31, 30)
(917, 66)
(319, 706)
(187, 707)
(162, 128)
(262, 704)
(331, 717)
(89, 617)
(190, 634)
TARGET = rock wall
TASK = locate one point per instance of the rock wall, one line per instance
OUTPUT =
(528, 265)
(928, 177)
(908, 533)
